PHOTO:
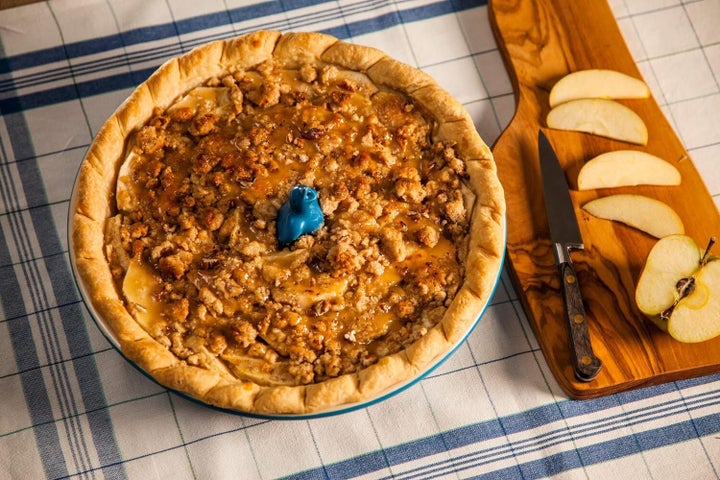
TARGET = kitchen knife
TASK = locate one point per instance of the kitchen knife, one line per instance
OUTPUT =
(565, 235)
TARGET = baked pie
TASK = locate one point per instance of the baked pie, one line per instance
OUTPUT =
(175, 223)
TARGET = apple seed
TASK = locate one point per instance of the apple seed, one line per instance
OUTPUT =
(685, 286)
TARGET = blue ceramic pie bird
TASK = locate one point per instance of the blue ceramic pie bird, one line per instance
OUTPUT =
(300, 214)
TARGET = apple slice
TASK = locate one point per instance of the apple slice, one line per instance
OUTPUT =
(125, 193)
(198, 97)
(644, 213)
(257, 370)
(679, 289)
(599, 116)
(621, 168)
(597, 83)
(140, 286)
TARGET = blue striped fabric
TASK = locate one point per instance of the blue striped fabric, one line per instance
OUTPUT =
(12, 101)
(72, 407)
(602, 451)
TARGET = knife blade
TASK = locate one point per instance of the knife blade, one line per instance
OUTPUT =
(565, 235)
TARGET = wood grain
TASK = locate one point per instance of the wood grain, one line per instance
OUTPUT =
(542, 40)
(5, 4)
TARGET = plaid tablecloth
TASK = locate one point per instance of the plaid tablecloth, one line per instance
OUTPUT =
(72, 407)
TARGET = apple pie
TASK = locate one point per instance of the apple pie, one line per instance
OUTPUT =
(175, 224)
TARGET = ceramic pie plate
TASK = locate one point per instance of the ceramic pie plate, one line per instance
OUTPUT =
(93, 203)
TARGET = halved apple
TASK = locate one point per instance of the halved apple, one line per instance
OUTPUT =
(644, 213)
(621, 168)
(597, 83)
(598, 116)
(679, 289)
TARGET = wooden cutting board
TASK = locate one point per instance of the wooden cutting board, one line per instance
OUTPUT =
(542, 40)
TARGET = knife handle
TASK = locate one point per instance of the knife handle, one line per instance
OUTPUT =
(585, 363)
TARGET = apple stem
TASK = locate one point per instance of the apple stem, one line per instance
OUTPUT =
(705, 256)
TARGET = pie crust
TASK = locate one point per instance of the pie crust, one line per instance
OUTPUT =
(95, 203)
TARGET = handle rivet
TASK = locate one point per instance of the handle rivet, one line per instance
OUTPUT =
(570, 278)
(578, 318)
(585, 360)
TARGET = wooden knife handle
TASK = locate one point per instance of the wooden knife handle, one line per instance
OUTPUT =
(585, 364)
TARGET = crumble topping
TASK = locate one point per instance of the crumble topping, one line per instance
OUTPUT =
(194, 250)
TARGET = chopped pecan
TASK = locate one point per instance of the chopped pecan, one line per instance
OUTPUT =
(314, 133)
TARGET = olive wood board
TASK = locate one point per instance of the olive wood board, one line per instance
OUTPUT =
(541, 41)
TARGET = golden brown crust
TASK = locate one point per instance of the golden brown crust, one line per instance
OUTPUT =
(462, 133)
(465, 309)
(201, 63)
(424, 351)
(399, 76)
(162, 84)
(248, 50)
(94, 196)
(133, 112)
(444, 107)
(353, 57)
(296, 49)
